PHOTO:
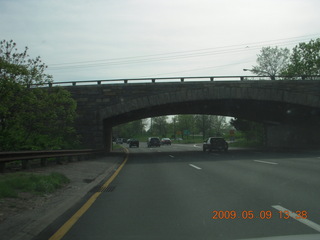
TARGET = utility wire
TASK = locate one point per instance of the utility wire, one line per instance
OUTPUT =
(196, 69)
(232, 49)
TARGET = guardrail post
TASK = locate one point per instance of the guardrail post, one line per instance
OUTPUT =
(43, 162)
(126, 81)
(182, 79)
(99, 82)
(153, 80)
(241, 78)
(25, 164)
(2, 166)
(211, 79)
(74, 83)
(58, 161)
(50, 84)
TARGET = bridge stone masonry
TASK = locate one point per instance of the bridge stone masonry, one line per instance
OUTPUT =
(289, 109)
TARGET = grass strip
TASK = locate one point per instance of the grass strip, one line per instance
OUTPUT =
(12, 184)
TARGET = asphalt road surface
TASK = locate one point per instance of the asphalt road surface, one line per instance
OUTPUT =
(180, 192)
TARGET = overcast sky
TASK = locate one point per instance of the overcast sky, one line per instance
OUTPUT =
(107, 39)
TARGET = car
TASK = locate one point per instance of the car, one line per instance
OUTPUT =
(133, 142)
(119, 141)
(165, 141)
(215, 143)
(153, 142)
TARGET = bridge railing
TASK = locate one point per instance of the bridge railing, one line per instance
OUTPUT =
(163, 79)
(176, 79)
(25, 156)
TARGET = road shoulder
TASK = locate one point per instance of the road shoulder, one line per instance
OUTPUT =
(84, 176)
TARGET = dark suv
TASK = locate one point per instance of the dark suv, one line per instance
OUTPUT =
(215, 143)
(133, 142)
(153, 142)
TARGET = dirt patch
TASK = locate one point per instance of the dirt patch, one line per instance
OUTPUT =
(25, 201)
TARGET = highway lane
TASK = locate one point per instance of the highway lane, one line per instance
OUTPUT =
(174, 192)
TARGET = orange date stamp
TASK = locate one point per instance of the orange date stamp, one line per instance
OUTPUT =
(258, 214)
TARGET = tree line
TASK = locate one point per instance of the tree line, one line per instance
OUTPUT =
(302, 63)
(179, 126)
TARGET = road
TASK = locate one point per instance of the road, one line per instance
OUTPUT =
(180, 192)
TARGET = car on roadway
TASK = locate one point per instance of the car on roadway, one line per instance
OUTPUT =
(153, 142)
(165, 141)
(215, 144)
(119, 140)
(133, 143)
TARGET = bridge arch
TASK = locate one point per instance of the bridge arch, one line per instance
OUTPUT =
(252, 101)
(272, 102)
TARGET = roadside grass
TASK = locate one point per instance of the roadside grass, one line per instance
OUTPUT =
(116, 146)
(14, 183)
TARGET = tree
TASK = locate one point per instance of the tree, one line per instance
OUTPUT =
(252, 131)
(271, 62)
(203, 124)
(218, 124)
(32, 118)
(210, 125)
(130, 130)
(305, 60)
(19, 67)
(185, 124)
(159, 126)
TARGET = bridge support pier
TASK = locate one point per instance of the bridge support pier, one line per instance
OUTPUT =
(107, 133)
(295, 136)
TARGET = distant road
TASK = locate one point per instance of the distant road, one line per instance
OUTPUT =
(180, 192)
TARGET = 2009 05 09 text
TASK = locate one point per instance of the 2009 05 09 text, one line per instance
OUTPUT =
(258, 215)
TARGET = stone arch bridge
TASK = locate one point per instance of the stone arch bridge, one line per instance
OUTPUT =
(289, 109)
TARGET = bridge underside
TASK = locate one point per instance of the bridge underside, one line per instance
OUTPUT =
(289, 109)
(287, 125)
(268, 112)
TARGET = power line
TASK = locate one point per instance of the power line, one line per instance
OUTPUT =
(198, 69)
(179, 54)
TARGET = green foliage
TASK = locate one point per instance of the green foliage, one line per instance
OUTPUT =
(180, 126)
(12, 184)
(32, 118)
(159, 126)
(252, 132)
(271, 62)
(305, 60)
(210, 125)
(129, 130)
(7, 191)
(303, 63)
(36, 119)
(18, 66)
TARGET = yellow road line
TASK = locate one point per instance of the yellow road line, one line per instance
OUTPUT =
(68, 225)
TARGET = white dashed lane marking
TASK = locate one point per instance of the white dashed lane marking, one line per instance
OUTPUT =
(194, 166)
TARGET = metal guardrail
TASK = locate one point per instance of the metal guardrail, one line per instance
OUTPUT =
(176, 79)
(164, 79)
(24, 156)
